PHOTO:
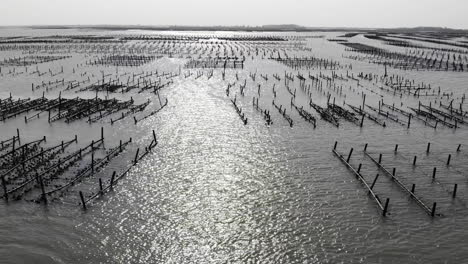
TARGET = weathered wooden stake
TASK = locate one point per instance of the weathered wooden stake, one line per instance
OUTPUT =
(82, 200)
(154, 137)
(433, 209)
(384, 213)
(112, 179)
(375, 180)
(100, 186)
(92, 162)
(349, 155)
(136, 156)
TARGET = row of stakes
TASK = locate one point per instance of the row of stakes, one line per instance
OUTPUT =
(115, 178)
(400, 60)
(411, 192)
(102, 190)
(62, 145)
(393, 173)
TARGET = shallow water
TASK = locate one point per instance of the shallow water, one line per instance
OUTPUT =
(216, 191)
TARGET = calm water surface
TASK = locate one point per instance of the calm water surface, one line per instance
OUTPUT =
(216, 191)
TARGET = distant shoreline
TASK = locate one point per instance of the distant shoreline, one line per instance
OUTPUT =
(267, 28)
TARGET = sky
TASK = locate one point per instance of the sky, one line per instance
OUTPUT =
(314, 13)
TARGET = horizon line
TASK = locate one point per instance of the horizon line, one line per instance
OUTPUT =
(268, 27)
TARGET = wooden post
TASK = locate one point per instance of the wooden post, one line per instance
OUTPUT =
(82, 200)
(396, 148)
(154, 137)
(384, 213)
(433, 209)
(434, 173)
(349, 155)
(375, 180)
(359, 168)
(92, 162)
(112, 179)
(454, 194)
(100, 186)
(428, 147)
(380, 158)
(136, 156)
(413, 187)
(414, 160)
(363, 104)
(448, 159)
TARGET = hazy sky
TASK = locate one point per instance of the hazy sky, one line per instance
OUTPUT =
(330, 13)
